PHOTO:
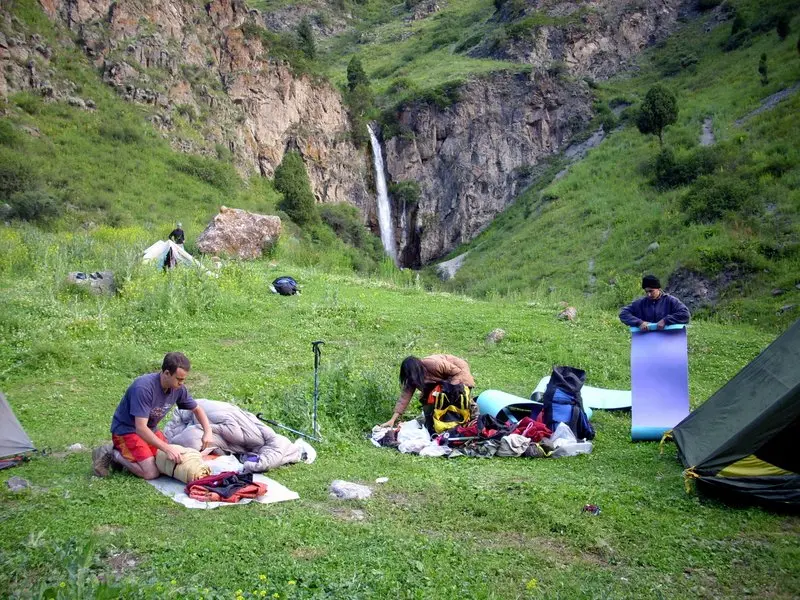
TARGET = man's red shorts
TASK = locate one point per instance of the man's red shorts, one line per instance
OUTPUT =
(133, 448)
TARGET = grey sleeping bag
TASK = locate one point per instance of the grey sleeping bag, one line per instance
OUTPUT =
(235, 431)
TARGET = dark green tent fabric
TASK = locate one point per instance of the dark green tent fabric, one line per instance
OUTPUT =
(13, 439)
(755, 413)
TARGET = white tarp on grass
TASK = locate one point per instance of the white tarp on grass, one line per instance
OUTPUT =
(174, 489)
(157, 254)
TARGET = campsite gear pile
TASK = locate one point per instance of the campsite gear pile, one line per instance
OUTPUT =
(235, 431)
(555, 427)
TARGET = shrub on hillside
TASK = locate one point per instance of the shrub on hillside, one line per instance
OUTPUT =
(9, 136)
(708, 4)
(291, 180)
(405, 192)
(345, 221)
(673, 171)
(16, 175)
(714, 197)
(33, 205)
(213, 172)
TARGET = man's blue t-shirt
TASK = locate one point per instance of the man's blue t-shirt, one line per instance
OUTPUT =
(145, 398)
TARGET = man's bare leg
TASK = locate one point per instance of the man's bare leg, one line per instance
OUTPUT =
(146, 469)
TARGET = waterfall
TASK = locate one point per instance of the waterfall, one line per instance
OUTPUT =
(384, 210)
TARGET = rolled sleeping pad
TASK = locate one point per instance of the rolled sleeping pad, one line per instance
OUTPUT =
(659, 381)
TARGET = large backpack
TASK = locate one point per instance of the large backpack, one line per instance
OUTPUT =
(451, 406)
(563, 403)
(285, 286)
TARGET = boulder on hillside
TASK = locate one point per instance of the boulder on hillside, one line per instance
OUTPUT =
(239, 233)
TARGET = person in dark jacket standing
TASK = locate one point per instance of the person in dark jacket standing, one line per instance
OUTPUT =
(656, 307)
(177, 235)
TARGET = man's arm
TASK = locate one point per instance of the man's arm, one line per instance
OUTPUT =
(173, 452)
(678, 312)
(202, 418)
(628, 314)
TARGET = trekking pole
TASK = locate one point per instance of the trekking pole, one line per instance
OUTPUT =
(315, 346)
(261, 417)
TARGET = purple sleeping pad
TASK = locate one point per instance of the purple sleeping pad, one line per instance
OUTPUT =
(659, 381)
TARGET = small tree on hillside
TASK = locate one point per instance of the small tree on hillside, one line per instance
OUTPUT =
(782, 26)
(359, 100)
(291, 179)
(306, 37)
(355, 74)
(762, 69)
(659, 109)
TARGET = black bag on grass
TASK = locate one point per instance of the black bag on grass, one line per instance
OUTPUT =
(563, 403)
(285, 286)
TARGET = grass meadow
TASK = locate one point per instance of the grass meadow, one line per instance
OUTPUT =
(461, 528)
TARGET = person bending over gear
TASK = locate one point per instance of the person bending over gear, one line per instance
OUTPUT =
(134, 433)
(656, 307)
(177, 235)
(424, 374)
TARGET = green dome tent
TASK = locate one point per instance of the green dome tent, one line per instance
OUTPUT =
(743, 440)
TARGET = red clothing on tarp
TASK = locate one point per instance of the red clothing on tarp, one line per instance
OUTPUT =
(535, 430)
(225, 487)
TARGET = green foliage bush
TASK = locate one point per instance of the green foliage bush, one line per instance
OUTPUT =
(125, 133)
(291, 180)
(672, 171)
(305, 36)
(33, 205)
(209, 170)
(9, 136)
(345, 221)
(405, 192)
(713, 197)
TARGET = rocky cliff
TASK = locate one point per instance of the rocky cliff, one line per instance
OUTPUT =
(206, 63)
(470, 158)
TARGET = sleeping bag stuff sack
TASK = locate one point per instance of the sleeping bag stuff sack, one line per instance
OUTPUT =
(563, 403)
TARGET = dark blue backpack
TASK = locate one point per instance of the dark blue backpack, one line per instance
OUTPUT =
(285, 286)
(563, 403)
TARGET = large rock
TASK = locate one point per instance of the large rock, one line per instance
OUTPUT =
(239, 233)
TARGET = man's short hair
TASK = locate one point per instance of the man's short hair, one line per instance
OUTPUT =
(174, 361)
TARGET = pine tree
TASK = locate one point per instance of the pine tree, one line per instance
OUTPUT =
(306, 37)
(291, 179)
(355, 74)
(659, 109)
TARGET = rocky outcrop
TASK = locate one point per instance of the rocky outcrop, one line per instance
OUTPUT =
(206, 64)
(467, 158)
(238, 233)
(596, 38)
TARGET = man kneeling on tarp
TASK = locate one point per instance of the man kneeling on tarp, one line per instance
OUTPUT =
(424, 375)
(136, 439)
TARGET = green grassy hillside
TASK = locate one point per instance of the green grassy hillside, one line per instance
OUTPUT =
(589, 232)
(514, 526)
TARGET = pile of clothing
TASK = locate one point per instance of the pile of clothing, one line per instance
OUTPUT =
(484, 437)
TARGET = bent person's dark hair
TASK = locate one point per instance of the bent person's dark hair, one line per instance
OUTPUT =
(412, 373)
(175, 360)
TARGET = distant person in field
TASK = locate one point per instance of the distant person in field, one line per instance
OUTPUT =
(134, 428)
(656, 307)
(177, 235)
(424, 374)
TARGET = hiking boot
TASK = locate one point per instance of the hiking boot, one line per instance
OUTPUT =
(102, 459)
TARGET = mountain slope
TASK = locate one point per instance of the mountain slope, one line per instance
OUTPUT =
(591, 231)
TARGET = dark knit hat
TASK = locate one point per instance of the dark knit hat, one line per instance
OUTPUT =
(650, 281)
